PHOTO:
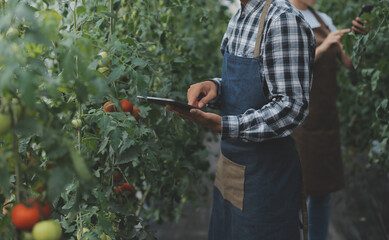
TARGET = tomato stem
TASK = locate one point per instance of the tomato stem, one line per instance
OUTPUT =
(3, 6)
(75, 16)
(143, 200)
(112, 20)
(17, 166)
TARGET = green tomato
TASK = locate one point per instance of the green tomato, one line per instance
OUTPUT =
(77, 122)
(27, 236)
(104, 70)
(47, 230)
(104, 57)
(5, 123)
(12, 33)
(80, 233)
(104, 236)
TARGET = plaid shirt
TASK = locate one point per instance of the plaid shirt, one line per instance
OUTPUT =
(286, 59)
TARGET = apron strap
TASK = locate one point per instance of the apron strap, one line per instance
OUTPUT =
(321, 21)
(260, 28)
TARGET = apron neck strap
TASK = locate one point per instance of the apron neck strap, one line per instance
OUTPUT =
(260, 28)
(317, 16)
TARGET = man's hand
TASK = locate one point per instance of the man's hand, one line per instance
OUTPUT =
(209, 120)
(358, 26)
(207, 88)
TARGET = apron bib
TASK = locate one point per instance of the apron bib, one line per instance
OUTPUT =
(318, 138)
(257, 189)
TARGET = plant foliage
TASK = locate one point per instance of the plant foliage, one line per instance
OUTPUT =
(52, 73)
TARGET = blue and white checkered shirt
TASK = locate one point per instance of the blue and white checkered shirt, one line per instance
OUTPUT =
(287, 55)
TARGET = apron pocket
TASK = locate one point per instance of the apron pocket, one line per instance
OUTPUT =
(229, 180)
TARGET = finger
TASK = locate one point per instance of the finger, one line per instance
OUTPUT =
(206, 99)
(193, 93)
(359, 20)
(357, 24)
(343, 31)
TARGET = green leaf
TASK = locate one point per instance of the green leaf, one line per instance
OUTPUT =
(80, 166)
(81, 9)
(115, 138)
(137, 62)
(115, 74)
(109, 14)
(103, 145)
(130, 155)
(374, 80)
(59, 178)
(179, 60)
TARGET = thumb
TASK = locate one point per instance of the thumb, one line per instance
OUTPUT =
(203, 101)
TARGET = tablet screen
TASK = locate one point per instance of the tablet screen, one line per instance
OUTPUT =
(167, 101)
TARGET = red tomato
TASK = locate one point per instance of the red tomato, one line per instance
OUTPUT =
(43, 208)
(126, 189)
(126, 105)
(110, 108)
(117, 176)
(24, 218)
(135, 113)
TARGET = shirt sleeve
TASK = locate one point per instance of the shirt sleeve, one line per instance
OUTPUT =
(287, 60)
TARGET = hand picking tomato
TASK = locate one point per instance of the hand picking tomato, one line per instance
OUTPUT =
(127, 106)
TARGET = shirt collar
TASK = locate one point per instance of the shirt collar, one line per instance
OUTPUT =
(251, 5)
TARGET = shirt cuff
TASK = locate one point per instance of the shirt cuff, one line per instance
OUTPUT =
(230, 127)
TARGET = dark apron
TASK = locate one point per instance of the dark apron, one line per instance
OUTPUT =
(258, 184)
(318, 138)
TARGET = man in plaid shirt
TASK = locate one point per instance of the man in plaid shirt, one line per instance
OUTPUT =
(263, 94)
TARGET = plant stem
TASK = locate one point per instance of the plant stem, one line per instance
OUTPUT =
(77, 77)
(75, 16)
(112, 20)
(143, 200)
(79, 128)
(3, 6)
(17, 166)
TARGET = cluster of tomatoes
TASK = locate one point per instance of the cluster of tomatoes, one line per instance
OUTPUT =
(126, 105)
(32, 217)
(125, 189)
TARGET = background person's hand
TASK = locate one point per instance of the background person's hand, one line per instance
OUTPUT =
(207, 89)
(209, 120)
(358, 26)
(334, 38)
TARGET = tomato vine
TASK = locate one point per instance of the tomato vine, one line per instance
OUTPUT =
(65, 148)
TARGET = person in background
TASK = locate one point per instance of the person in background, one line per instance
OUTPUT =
(263, 94)
(318, 138)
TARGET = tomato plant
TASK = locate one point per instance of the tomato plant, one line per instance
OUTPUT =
(60, 63)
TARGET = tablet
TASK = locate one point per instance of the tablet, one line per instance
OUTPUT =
(167, 101)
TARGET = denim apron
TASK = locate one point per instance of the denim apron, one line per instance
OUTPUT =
(257, 184)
